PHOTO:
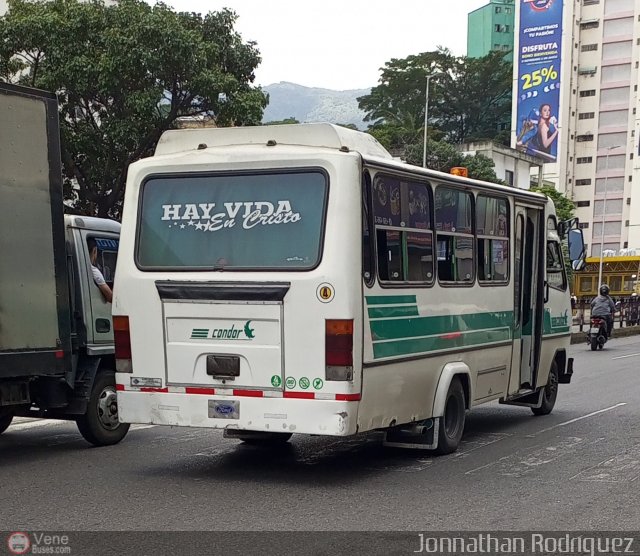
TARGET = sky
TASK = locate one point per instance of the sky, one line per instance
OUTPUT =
(341, 44)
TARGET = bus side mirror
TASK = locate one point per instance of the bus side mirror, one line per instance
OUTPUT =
(576, 248)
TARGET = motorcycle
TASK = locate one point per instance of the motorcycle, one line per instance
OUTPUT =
(597, 336)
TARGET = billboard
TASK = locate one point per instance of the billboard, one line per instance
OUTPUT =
(538, 102)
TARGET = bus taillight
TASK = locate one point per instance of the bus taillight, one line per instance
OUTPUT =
(122, 339)
(339, 349)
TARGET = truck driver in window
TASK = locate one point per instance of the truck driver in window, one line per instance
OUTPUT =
(98, 278)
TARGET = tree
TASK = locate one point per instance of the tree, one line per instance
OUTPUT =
(123, 74)
(396, 106)
(442, 156)
(565, 208)
(468, 100)
(289, 120)
(478, 99)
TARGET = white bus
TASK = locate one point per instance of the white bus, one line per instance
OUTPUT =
(298, 279)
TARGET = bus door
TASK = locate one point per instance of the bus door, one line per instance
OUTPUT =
(528, 306)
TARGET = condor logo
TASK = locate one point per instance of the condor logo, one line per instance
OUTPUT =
(240, 333)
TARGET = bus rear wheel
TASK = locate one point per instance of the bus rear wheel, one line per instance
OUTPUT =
(452, 422)
(549, 393)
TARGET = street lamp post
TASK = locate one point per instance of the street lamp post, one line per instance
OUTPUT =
(604, 210)
(426, 119)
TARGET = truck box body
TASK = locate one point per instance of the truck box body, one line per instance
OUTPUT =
(56, 332)
(34, 295)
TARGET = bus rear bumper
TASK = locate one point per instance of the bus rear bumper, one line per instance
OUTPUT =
(266, 414)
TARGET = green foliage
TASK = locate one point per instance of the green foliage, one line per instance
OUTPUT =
(468, 100)
(123, 74)
(354, 127)
(442, 156)
(565, 210)
(564, 207)
(290, 120)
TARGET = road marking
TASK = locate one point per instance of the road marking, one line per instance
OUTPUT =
(625, 356)
(517, 465)
(577, 419)
(475, 443)
(35, 424)
(142, 427)
(621, 468)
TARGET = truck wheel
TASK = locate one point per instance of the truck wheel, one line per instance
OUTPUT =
(549, 393)
(100, 425)
(452, 422)
(5, 421)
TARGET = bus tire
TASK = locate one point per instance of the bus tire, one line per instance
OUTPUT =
(452, 421)
(100, 425)
(549, 393)
(5, 421)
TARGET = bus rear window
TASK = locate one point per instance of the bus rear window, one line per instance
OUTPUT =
(233, 221)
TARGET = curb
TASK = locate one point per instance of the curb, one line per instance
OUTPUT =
(580, 337)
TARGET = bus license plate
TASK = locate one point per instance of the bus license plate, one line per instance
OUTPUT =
(224, 409)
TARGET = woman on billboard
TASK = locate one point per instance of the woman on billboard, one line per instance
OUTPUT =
(547, 130)
(538, 132)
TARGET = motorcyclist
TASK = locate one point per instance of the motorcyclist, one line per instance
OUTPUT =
(632, 310)
(603, 306)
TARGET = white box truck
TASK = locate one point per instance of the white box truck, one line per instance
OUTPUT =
(56, 332)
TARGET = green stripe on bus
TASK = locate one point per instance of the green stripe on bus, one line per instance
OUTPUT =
(393, 311)
(389, 299)
(438, 343)
(448, 324)
(556, 324)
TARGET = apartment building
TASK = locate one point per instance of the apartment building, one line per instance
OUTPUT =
(490, 28)
(596, 157)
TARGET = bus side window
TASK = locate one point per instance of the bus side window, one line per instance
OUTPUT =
(454, 228)
(492, 226)
(367, 247)
(389, 255)
(555, 266)
(403, 230)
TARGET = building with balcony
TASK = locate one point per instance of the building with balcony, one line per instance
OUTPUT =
(491, 28)
(598, 126)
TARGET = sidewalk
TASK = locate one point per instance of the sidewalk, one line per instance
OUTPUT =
(578, 337)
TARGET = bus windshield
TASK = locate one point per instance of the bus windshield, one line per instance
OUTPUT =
(235, 221)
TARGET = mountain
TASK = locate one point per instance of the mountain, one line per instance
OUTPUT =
(311, 104)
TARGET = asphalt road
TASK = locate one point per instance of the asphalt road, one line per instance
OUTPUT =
(575, 469)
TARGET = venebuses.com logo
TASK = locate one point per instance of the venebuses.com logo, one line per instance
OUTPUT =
(20, 542)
